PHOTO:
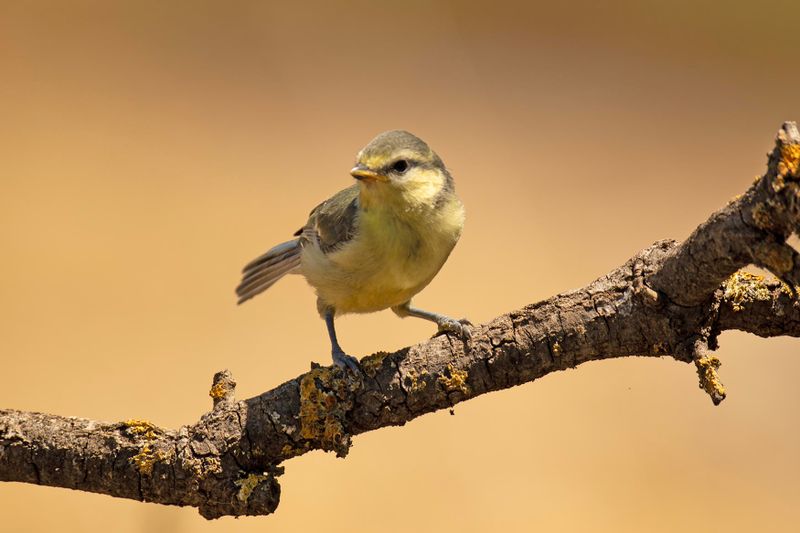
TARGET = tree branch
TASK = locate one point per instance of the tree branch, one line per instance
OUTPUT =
(669, 299)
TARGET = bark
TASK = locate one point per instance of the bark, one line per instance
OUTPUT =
(668, 300)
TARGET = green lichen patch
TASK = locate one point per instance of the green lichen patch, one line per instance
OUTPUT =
(290, 450)
(248, 485)
(454, 380)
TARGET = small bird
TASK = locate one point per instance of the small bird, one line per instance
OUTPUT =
(375, 244)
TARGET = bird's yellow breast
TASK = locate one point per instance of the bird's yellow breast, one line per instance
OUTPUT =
(393, 256)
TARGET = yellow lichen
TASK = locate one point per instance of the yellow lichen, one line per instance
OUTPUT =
(787, 290)
(790, 160)
(141, 428)
(372, 363)
(762, 217)
(147, 456)
(291, 450)
(144, 460)
(218, 391)
(744, 287)
(315, 403)
(413, 382)
(206, 466)
(248, 485)
(325, 397)
(709, 380)
(333, 432)
(779, 184)
(661, 348)
(454, 380)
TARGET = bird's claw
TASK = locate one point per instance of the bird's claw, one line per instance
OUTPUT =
(344, 361)
(460, 327)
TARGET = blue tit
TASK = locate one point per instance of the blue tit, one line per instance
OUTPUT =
(375, 244)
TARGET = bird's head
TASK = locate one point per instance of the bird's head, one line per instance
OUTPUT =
(398, 166)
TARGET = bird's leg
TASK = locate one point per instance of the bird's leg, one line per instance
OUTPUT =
(445, 323)
(340, 358)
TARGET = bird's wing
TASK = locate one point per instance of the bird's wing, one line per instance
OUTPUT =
(333, 222)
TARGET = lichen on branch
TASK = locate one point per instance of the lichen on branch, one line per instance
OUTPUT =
(671, 299)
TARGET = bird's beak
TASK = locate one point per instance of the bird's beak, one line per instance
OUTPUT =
(361, 172)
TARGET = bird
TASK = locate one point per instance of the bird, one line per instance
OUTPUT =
(375, 244)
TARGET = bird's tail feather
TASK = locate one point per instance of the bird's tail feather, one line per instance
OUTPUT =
(263, 271)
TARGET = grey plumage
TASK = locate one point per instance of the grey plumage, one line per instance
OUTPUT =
(334, 221)
(331, 224)
(262, 272)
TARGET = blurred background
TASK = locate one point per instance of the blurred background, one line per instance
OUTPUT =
(149, 149)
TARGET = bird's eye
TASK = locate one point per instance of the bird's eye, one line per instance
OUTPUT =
(400, 166)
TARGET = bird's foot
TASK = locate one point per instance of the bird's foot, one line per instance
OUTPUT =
(342, 360)
(460, 327)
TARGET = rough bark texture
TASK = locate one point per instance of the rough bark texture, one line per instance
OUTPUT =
(669, 300)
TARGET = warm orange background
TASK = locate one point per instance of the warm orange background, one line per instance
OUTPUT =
(149, 149)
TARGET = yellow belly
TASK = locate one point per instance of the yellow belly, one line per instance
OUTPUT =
(386, 263)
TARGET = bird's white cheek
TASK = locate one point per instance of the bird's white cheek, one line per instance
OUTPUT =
(423, 187)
